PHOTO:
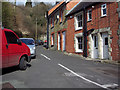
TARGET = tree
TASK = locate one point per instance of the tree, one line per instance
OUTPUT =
(28, 3)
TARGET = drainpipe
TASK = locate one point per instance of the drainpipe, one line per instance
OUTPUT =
(85, 33)
(47, 29)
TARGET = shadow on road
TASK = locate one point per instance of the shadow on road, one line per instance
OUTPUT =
(12, 69)
(9, 70)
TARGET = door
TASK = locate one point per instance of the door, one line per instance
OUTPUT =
(14, 50)
(3, 52)
(59, 41)
(95, 46)
(105, 45)
(63, 41)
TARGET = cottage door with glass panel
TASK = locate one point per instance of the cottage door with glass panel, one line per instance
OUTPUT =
(63, 41)
(58, 41)
(105, 45)
(95, 46)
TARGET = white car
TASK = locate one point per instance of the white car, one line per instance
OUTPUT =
(31, 44)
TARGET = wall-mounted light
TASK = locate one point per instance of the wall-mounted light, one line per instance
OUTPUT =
(70, 16)
(57, 16)
(93, 6)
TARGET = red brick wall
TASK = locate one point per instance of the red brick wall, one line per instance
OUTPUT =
(111, 20)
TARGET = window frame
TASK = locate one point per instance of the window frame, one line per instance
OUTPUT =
(61, 15)
(52, 37)
(102, 15)
(77, 50)
(76, 21)
(88, 14)
(53, 21)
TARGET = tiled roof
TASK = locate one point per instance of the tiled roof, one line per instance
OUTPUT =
(55, 7)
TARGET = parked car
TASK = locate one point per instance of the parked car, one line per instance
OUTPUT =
(39, 42)
(45, 44)
(31, 44)
(13, 51)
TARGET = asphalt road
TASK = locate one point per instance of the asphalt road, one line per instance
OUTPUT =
(54, 69)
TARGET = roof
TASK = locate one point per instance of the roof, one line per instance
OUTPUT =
(54, 8)
(79, 7)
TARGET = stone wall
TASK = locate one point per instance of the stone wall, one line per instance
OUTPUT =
(57, 27)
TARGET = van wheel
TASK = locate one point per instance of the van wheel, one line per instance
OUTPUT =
(23, 63)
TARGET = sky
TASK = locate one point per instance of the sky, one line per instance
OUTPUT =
(21, 2)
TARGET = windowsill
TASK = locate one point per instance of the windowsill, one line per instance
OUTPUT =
(79, 29)
(89, 20)
(52, 27)
(103, 16)
(60, 22)
(79, 51)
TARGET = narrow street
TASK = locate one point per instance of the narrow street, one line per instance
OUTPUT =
(53, 69)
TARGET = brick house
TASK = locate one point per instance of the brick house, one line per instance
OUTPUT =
(93, 29)
(58, 24)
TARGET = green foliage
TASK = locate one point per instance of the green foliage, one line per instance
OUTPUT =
(22, 19)
(7, 15)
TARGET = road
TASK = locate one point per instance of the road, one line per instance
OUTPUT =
(54, 69)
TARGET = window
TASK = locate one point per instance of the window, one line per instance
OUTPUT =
(11, 37)
(103, 10)
(61, 15)
(90, 15)
(78, 21)
(52, 39)
(106, 41)
(52, 21)
(95, 42)
(79, 44)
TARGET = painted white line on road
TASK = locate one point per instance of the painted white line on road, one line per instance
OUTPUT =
(45, 56)
(103, 86)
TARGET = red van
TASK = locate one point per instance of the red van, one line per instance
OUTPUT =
(12, 51)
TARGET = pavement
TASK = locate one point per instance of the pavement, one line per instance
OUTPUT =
(95, 60)
(54, 69)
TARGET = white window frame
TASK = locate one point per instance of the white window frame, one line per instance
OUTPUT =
(53, 21)
(76, 43)
(103, 9)
(52, 39)
(61, 15)
(76, 21)
(88, 14)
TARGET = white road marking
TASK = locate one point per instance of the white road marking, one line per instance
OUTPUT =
(103, 86)
(45, 56)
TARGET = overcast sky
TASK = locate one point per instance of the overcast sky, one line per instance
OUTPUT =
(21, 2)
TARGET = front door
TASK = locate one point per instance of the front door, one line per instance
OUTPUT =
(63, 41)
(14, 50)
(95, 46)
(105, 45)
(59, 41)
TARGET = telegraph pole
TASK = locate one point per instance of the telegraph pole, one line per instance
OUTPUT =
(36, 29)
